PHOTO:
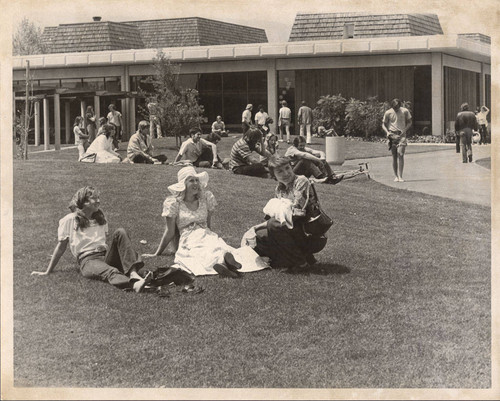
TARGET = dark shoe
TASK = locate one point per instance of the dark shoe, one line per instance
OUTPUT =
(223, 271)
(192, 289)
(470, 159)
(335, 179)
(311, 259)
(231, 263)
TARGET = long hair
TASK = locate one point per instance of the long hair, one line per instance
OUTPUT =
(78, 120)
(107, 129)
(77, 203)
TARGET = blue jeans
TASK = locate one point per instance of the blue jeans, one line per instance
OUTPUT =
(115, 265)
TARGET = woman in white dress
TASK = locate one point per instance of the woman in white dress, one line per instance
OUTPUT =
(200, 250)
(102, 147)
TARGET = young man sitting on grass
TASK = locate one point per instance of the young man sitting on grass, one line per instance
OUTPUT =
(309, 162)
(243, 161)
(140, 149)
(198, 151)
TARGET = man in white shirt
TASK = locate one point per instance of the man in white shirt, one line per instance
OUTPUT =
(198, 151)
(396, 121)
(305, 117)
(246, 118)
(261, 118)
(285, 118)
(218, 127)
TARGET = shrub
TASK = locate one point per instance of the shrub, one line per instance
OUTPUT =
(330, 113)
(364, 118)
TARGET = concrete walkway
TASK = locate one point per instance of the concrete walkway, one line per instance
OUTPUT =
(439, 173)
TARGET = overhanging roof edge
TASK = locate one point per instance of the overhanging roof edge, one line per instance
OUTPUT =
(321, 48)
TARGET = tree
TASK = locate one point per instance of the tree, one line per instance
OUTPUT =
(27, 39)
(330, 113)
(177, 107)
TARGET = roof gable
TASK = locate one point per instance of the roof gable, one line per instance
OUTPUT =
(331, 25)
(92, 36)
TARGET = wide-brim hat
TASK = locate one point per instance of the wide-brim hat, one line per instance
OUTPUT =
(182, 175)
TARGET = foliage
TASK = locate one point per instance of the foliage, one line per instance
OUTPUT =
(330, 113)
(27, 39)
(177, 108)
(364, 118)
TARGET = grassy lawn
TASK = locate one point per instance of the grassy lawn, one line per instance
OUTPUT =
(400, 298)
(354, 149)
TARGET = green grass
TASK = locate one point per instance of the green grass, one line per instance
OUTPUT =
(401, 296)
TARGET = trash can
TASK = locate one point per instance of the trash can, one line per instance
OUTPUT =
(335, 150)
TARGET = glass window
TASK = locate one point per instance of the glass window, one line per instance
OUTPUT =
(71, 83)
(188, 81)
(93, 83)
(49, 83)
(113, 84)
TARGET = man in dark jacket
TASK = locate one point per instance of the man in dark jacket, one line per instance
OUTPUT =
(464, 124)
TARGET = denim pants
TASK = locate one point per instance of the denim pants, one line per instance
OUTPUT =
(309, 169)
(466, 144)
(115, 266)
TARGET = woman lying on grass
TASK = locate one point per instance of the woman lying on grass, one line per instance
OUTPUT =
(85, 230)
(282, 238)
(201, 251)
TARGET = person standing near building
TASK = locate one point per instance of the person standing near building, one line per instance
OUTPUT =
(154, 120)
(285, 118)
(115, 117)
(261, 119)
(246, 118)
(305, 118)
(90, 123)
(464, 124)
(396, 122)
(483, 124)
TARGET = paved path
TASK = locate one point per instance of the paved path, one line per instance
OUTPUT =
(439, 173)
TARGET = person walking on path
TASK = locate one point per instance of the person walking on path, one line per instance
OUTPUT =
(154, 120)
(284, 121)
(305, 118)
(483, 124)
(85, 230)
(246, 118)
(115, 117)
(396, 122)
(464, 124)
(261, 119)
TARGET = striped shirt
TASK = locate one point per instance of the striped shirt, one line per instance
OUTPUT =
(239, 153)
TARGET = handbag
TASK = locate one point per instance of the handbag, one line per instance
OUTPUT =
(90, 158)
(319, 223)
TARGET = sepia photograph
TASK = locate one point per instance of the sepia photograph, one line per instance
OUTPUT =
(249, 200)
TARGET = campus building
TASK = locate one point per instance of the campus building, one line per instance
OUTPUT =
(352, 54)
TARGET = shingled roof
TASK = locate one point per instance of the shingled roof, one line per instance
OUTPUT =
(175, 32)
(331, 25)
(479, 37)
(92, 36)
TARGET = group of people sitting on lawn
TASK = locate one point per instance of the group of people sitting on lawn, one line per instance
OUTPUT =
(280, 241)
(249, 155)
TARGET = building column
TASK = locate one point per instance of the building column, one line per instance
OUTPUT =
(482, 87)
(46, 132)
(97, 110)
(125, 86)
(37, 123)
(57, 121)
(272, 93)
(132, 114)
(437, 96)
(67, 122)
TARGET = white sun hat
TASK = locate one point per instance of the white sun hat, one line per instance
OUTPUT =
(184, 173)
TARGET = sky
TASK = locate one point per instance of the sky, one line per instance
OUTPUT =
(275, 16)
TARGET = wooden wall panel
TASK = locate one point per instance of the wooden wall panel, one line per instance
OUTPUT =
(360, 83)
(460, 86)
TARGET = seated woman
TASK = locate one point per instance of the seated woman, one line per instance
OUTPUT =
(85, 230)
(271, 143)
(282, 238)
(102, 147)
(200, 251)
